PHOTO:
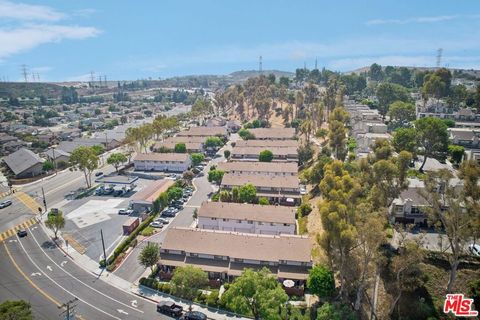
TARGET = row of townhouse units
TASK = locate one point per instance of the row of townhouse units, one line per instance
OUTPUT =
(283, 190)
(260, 168)
(168, 162)
(466, 137)
(273, 133)
(193, 144)
(440, 109)
(224, 255)
(282, 150)
(204, 132)
(247, 218)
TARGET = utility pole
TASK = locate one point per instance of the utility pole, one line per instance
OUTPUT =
(70, 309)
(103, 246)
(439, 57)
(44, 200)
(24, 72)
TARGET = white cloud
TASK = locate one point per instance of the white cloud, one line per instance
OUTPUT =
(28, 12)
(430, 19)
(23, 38)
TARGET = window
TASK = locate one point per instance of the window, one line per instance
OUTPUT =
(218, 257)
(399, 209)
(285, 224)
(238, 260)
(250, 222)
(260, 223)
(214, 218)
(239, 221)
(193, 254)
(225, 219)
(272, 224)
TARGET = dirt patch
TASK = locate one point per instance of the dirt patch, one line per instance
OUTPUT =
(315, 228)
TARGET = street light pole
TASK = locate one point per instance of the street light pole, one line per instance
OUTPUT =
(103, 245)
(44, 200)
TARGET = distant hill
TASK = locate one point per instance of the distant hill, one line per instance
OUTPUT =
(243, 75)
(465, 71)
(29, 90)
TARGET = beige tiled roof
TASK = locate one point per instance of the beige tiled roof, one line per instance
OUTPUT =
(171, 145)
(153, 190)
(232, 179)
(161, 157)
(244, 211)
(267, 143)
(238, 245)
(273, 133)
(203, 131)
(185, 139)
(256, 150)
(288, 167)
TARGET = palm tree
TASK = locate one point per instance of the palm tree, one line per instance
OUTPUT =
(306, 128)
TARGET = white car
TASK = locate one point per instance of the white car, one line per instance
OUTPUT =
(303, 190)
(156, 224)
(474, 249)
(5, 204)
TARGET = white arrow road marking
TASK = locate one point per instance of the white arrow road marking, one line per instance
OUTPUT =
(49, 268)
(62, 264)
(134, 303)
(122, 312)
(36, 274)
(12, 240)
(33, 228)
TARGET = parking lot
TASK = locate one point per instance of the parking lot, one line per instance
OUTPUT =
(86, 217)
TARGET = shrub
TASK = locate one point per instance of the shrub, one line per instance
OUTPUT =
(147, 232)
(304, 209)
(212, 298)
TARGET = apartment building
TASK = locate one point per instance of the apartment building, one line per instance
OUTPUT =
(224, 255)
(246, 218)
(273, 133)
(282, 154)
(277, 189)
(203, 132)
(260, 168)
(169, 162)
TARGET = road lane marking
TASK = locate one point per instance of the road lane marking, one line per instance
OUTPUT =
(46, 295)
(63, 263)
(58, 285)
(28, 201)
(12, 231)
(34, 274)
(86, 285)
(49, 268)
(122, 312)
(134, 303)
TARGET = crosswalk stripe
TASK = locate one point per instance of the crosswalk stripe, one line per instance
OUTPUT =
(12, 231)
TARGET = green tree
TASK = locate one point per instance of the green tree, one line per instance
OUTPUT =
(256, 293)
(215, 176)
(98, 149)
(225, 196)
(197, 158)
(263, 201)
(48, 165)
(247, 193)
(265, 156)
(335, 311)
(226, 154)
(432, 137)
(213, 142)
(174, 193)
(402, 113)
(456, 152)
(84, 159)
(376, 72)
(149, 255)
(116, 159)
(16, 310)
(405, 139)
(245, 134)
(180, 148)
(187, 280)
(321, 281)
(387, 93)
(55, 222)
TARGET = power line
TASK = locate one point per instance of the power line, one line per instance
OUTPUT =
(70, 309)
(24, 72)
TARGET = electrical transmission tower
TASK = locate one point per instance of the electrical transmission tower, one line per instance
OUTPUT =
(316, 63)
(69, 311)
(24, 72)
(439, 57)
(260, 65)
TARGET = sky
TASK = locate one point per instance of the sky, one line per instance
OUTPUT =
(65, 40)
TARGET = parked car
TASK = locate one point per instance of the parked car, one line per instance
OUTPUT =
(169, 308)
(125, 211)
(22, 233)
(99, 191)
(118, 193)
(5, 204)
(208, 159)
(156, 224)
(200, 174)
(303, 190)
(98, 174)
(196, 171)
(108, 191)
(199, 167)
(161, 220)
(194, 315)
(474, 249)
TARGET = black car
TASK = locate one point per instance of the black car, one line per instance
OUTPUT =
(194, 315)
(22, 233)
(117, 193)
(169, 308)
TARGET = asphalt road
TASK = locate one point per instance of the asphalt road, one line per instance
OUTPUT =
(40, 273)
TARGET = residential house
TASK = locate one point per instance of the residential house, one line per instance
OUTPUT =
(224, 255)
(277, 189)
(233, 125)
(284, 154)
(24, 163)
(260, 168)
(267, 143)
(203, 132)
(169, 162)
(466, 137)
(193, 144)
(246, 218)
(273, 133)
(57, 155)
(143, 200)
